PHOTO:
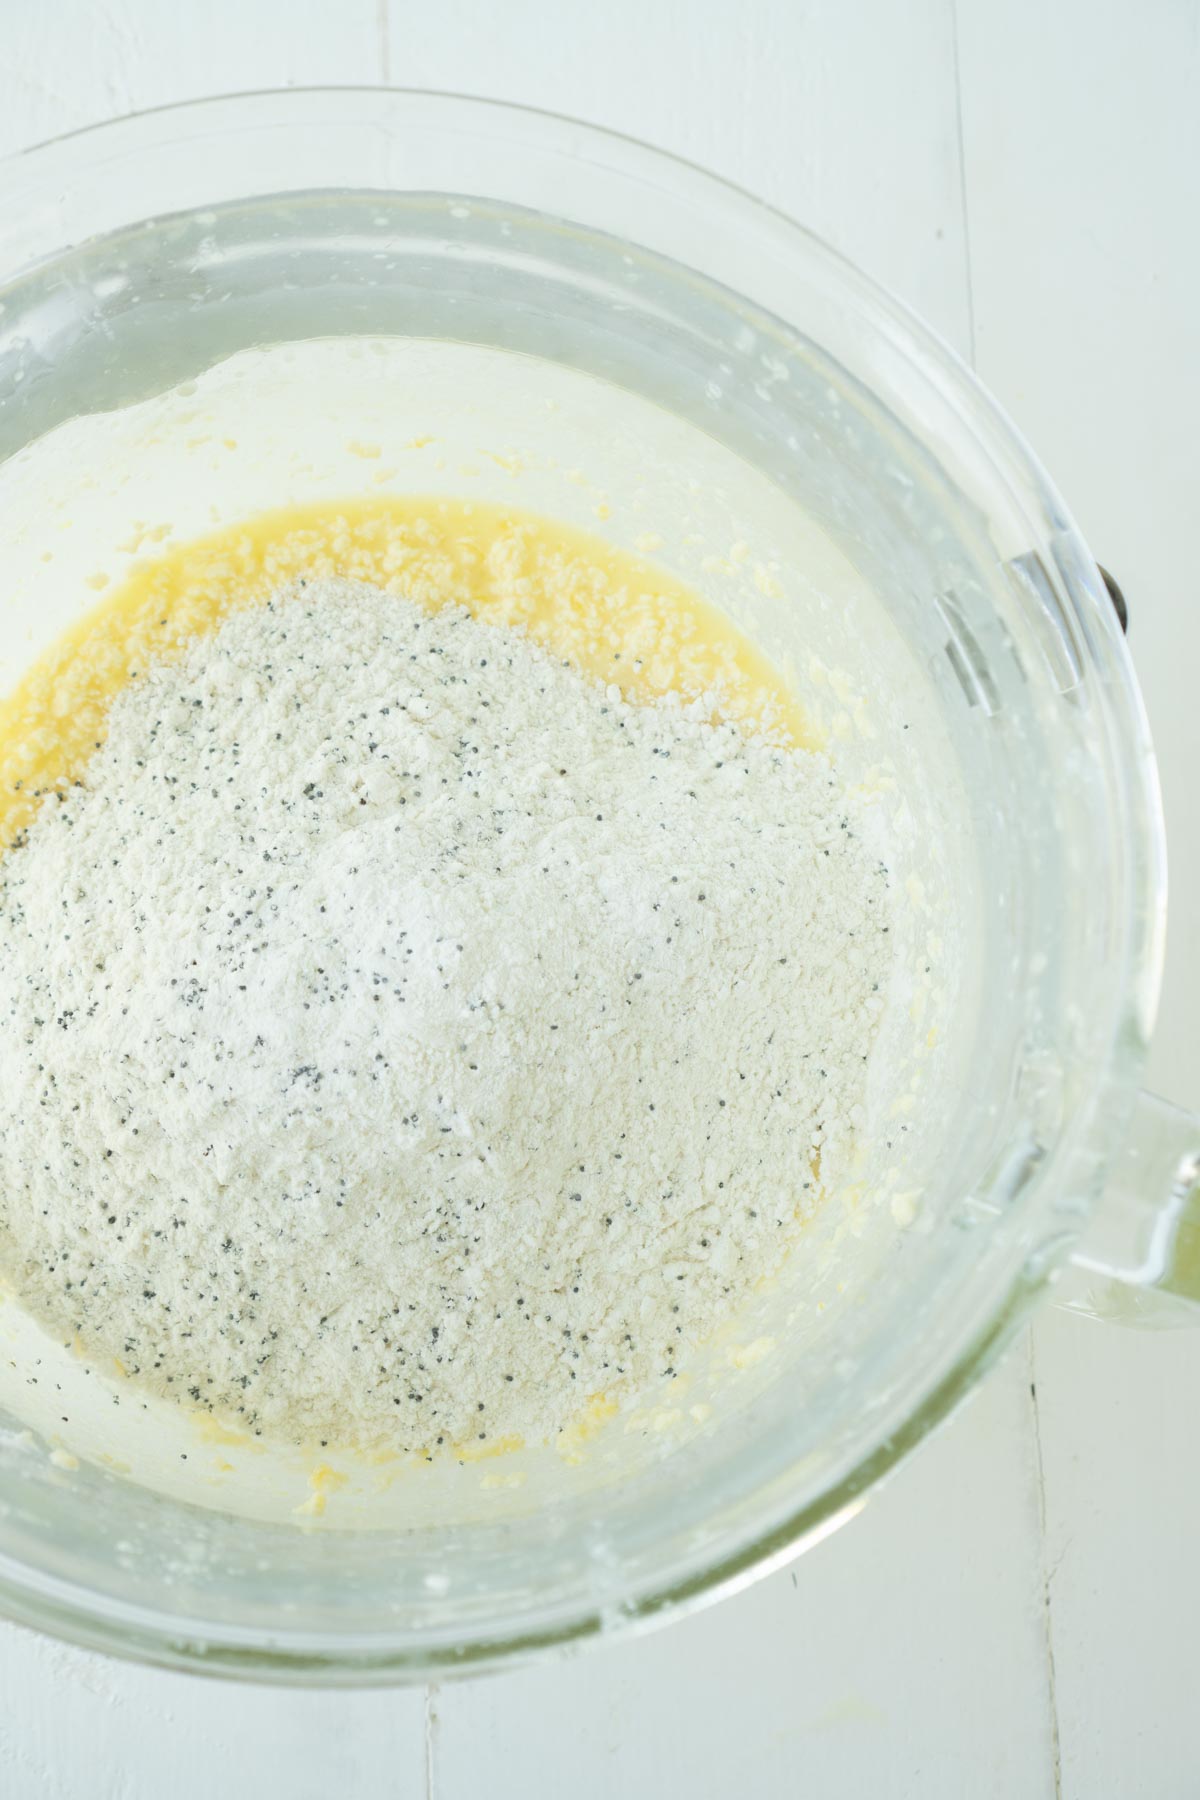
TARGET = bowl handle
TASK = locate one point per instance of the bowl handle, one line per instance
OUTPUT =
(1139, 1263)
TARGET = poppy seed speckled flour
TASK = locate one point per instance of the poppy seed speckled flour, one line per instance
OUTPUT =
(406, 1040)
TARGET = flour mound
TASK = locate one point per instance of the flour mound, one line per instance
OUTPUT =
(405, 1040)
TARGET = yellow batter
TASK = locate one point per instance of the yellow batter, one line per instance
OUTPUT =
(612, 615)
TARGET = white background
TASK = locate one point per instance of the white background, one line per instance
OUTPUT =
(1016, 1613)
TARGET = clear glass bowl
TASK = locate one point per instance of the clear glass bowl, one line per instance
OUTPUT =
(663, 351)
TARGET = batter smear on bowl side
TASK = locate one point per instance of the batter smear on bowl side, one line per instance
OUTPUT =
(409, 1037)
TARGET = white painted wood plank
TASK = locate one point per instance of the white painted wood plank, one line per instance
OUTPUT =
(75, 1726)
(1122, 1470)
(74, 62)
(861, 1675)
(79, 1727)
(844, 116)
(903, 1657)
(1082, 138)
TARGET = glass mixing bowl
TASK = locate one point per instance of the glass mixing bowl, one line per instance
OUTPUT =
(520, 307)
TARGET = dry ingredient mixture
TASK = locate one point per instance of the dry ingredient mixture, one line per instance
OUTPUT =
(405, 1040)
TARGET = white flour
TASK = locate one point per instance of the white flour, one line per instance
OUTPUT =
(403, 1039)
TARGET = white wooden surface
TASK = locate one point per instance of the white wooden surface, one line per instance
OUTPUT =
(1015, 1615)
